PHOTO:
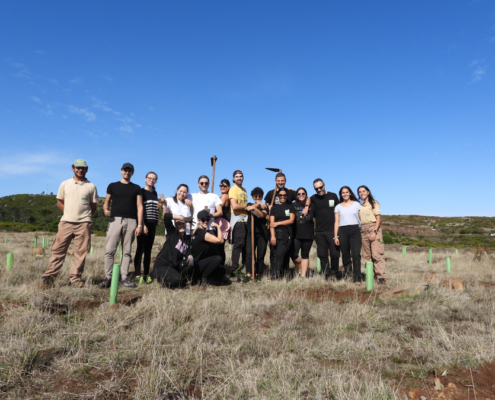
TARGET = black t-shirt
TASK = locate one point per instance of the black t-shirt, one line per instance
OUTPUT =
(259, 223)
(282, 212)
(291, 196)
(202, 249)
(124, 199)
(324, 211)
(304, 225)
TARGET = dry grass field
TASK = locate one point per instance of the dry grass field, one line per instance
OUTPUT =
(298, 339)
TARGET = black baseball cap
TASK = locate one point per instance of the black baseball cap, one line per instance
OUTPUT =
(128, 165)
(204, 214)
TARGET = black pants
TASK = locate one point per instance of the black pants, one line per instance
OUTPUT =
(325, 243)
(304, 245)
(171, 277)
(280, 252)
(350, 244)
(239, 241)
(260, 242)
(211, 268)
(144, 246)
(221, 252)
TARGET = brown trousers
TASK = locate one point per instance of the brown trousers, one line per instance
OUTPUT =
(119, 230)
(81, 233)
(373, 251)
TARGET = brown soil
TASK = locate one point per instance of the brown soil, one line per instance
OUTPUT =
(458, 384)
(328, 293)
(487, 284)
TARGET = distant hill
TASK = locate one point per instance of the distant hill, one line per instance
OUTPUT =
(34, 212)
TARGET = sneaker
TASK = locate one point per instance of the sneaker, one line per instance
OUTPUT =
(105, 283)
(141, 280)
(149, 280)
(127, 283)
(77, 284)
(47, 282)
(382, 281)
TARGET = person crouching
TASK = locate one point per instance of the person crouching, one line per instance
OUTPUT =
(205, 251)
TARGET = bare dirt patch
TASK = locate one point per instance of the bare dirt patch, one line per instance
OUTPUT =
(457, 384)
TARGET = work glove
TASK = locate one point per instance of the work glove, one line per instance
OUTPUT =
(190, 261)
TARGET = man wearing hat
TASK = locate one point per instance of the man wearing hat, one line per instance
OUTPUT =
(126, 222)
(77, 198)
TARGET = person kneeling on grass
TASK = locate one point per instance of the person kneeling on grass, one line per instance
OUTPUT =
(205, 251)
(174, 264)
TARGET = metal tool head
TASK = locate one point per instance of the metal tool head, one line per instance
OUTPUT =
(213, 160)
(274, 169)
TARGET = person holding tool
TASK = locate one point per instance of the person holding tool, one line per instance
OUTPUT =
(281, 218)
(260, 233)
(303, 233)
(126, 222)
(204, 250)
(347, 233)
(174, 264)
(371, 233)
(238, 220)
(151, 206)
(324, 204)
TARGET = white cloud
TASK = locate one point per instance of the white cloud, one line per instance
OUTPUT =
(88, 115)
(126, 128)
(22, 164)
(102, 105)
(76, 81)
(36, 99)
(107, 78)
(479, 70)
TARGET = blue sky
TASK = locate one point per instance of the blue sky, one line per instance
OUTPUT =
(392, 94)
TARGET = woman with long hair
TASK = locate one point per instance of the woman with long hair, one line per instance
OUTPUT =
(281, 218)
(348, 234)
(224, 198)
(371, 233)
(304, 232)
(146, 240)
(174, 264)
(205, 240)
(177, 204)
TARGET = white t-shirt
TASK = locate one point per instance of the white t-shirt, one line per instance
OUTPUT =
(179, 208)
(348, 215)
(203, 201)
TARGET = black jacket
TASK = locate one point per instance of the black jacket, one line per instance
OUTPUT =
(176, 248)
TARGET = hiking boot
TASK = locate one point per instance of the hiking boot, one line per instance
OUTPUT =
(77, 284)
(127, 283)
(149, 280)
(47, 282)
(105, 283)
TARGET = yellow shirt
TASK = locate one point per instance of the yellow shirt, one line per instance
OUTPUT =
(77, 197)
(240, 195)
(367, 214)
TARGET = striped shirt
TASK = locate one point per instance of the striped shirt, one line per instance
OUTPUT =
(150, 206)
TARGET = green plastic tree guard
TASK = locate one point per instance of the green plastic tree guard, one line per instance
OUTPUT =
(92, 250)
(114, 286)
(318, 266)
(456, 251)
(35, 243)
(5, 240)
(369, 276)
(449, 267)
(430, 256)
(10, 261)
(404, 251)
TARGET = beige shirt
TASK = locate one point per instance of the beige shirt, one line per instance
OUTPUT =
(77, 198)
(367, 214)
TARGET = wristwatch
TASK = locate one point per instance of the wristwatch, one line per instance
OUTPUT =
(374, 230)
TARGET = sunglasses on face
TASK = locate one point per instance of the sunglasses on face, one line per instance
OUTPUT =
(319, 188)
(205, 219)
(301, 194)
(257, 196)
(204, 183)
(282, 195)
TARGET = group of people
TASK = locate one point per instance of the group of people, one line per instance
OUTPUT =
(198, 225)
